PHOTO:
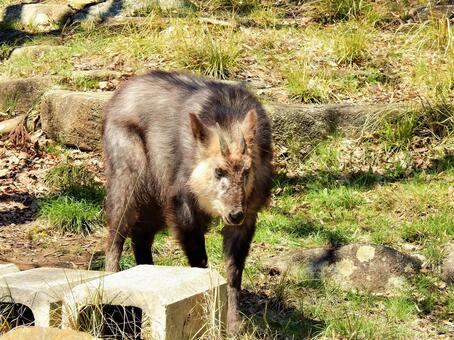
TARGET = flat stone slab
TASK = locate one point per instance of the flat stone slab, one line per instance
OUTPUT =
(171, 299)
(45, 333)
(8, 268)
(74, 118)
(21, 94)
(42, 290)
(368, 267)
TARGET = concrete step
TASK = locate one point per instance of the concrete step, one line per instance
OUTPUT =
(163, 302)
(40, 291)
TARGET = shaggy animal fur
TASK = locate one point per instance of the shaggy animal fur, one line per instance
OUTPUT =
(179, 151)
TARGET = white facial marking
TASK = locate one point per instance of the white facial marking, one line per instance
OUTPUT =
(208, 189)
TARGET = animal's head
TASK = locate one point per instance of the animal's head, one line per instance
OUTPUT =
(223, 177)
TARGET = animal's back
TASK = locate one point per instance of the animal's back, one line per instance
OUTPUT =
(153, 110)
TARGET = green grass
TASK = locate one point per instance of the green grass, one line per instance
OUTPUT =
(306, 85)
(64, 175)
(70, 215)
(351, 46)
(346, 47)
(75, 204)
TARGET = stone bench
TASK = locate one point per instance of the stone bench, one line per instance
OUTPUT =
(161, 303)
(36, 295)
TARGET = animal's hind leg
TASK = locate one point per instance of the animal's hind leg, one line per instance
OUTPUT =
(121, 215)
(125, 168)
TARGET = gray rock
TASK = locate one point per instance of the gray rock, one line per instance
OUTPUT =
(366, 267)
(37, 51)
(40, 14)
(309, 122)
(447, 269)
(98, 12)
(21, 94)
(74, 118)
(424, 13)
(80, 4)
(132, 7)
(7, 268)
(302, 123)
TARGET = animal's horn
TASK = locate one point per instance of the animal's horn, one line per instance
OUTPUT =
(222, 142)
(242, 143)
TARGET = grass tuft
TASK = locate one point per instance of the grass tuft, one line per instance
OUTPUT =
(207, 53)
(70, 215)
(76, 203)
(306, 85)
(351, 46)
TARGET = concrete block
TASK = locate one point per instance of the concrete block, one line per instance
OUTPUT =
(173, 301)
(8, 268)
(45, 333)
(42, 290)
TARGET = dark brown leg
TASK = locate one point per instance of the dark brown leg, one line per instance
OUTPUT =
(189, 229)
(142, 239)
(237, 241)
(193, 244)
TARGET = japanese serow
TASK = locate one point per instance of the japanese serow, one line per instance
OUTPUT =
(180, 150)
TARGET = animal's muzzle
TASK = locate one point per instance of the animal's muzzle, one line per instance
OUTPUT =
(236, 217)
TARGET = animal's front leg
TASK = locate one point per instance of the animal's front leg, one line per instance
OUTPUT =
(237, 240)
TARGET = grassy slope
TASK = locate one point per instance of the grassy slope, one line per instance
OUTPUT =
(323, 53)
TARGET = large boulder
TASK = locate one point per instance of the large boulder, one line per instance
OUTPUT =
(74, 118)
(367, 267)
(447, 269)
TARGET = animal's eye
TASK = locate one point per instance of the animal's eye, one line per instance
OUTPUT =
(219, 172)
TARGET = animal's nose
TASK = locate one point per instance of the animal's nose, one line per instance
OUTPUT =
(236, 217)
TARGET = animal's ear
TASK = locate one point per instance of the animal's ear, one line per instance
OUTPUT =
(249, 126)
(199, 130)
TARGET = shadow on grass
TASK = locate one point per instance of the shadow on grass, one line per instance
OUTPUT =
(272, 317)
(359, 179)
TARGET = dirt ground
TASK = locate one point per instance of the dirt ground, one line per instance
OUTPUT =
(24, 238)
